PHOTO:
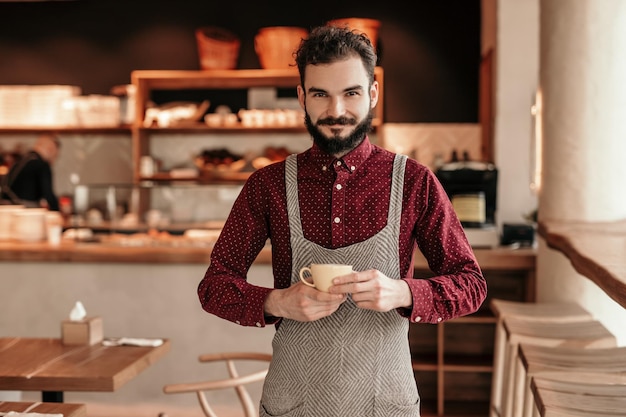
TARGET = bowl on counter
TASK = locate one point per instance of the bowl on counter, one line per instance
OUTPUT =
(6, 220)
(29, 224)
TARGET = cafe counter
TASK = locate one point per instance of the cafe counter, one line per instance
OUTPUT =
(76, 251)
(150, 292)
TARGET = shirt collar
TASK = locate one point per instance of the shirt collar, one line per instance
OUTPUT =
(354, 158)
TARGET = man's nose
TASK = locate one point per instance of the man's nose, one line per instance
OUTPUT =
(337, 107)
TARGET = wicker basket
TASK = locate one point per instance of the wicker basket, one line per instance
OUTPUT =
(275, 45)
(217, 48)
(361, 25)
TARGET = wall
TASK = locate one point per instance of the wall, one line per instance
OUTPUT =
(517, 78)
(428, 142)
(430, 55)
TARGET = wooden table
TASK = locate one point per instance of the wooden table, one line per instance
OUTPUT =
(68, 410)
(45, 364)
(596, 250)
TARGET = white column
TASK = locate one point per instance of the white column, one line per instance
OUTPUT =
(582, 67)
(583, 79)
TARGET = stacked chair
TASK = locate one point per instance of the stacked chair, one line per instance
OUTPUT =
(558, 324)
(580, 395)
(592, 373)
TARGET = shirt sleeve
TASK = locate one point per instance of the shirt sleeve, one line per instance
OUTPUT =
(458, 287)
(46, 187)
(224, 290)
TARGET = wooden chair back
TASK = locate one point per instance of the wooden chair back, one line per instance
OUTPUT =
(234, 381)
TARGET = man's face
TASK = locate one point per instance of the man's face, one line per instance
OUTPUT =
(338, 100)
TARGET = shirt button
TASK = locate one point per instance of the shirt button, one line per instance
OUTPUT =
(352, 168)
(339, 187)
(258, 324)
(338, 163)
(324, 168)
(416, 319)
(439, 319)
(337, 220)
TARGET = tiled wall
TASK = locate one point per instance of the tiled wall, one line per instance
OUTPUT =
(426, 141)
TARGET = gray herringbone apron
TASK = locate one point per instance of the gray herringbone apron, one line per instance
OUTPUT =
(355, 362)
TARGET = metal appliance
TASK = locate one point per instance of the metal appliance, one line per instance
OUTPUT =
(472, 187)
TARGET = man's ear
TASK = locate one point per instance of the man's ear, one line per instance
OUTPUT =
(374, 92)
(301, 96)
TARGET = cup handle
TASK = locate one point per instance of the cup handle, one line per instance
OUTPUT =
(303, 279)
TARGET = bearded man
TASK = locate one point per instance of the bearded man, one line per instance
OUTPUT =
(344, 200)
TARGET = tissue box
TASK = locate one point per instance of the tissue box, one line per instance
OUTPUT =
(84, 332)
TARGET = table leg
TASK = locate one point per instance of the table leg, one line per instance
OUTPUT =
(52, 396)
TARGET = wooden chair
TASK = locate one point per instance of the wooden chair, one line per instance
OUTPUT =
(234, 381)
(585, 334)
(569, 364)
(605, 397)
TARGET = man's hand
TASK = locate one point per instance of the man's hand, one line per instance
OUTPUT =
(373, 290)
(302, 303)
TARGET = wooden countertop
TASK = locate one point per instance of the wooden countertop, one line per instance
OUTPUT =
(70, 251)
(597, 250)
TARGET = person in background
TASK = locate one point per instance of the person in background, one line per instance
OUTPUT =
(29, 181)
(343, 200)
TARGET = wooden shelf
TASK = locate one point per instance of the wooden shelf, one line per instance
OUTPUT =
(453, 360)
(238, 128)
(425, 361)
(468, 363)
(217, 79)
(217, 178)
(67, 129)
(149, 82)
(458, 409)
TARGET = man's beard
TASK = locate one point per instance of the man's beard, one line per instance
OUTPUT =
(336, 144)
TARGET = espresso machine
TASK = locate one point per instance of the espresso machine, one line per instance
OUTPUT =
(472, 187)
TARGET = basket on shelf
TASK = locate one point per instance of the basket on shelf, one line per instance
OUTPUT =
(218, 48)
(275, 45)
(361, 25)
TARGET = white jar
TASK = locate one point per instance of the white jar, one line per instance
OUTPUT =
(147, 166)
(30, 225)
(6, 220)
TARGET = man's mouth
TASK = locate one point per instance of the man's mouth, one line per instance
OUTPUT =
(340, 121)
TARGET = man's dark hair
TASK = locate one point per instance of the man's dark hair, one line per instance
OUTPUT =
(327, 44)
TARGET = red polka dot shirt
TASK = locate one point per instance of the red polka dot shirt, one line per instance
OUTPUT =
(343, 201)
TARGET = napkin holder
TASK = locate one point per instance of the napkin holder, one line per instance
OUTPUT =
(87, 331)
